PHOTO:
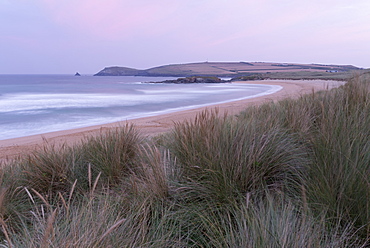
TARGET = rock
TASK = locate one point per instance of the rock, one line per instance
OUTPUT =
(77, 74)
(249, 77)
(193, 80)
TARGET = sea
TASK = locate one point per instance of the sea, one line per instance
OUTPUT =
(36, 104)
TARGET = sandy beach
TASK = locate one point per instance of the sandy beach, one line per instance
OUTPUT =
(153, 125)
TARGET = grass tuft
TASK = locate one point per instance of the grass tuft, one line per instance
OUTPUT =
(293, 173)
(223, 157)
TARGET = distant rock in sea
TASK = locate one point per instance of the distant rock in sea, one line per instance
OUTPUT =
(77, 74)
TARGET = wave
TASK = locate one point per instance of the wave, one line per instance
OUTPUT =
(36, 113)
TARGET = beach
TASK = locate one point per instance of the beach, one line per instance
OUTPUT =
(154, 125)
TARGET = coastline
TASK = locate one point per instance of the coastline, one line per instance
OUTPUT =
(154, 125)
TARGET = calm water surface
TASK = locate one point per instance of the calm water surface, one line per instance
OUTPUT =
(34, 104)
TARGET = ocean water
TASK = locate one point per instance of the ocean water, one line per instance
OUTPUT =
(34, 104)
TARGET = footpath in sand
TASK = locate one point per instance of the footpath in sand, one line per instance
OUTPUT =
(153, 125)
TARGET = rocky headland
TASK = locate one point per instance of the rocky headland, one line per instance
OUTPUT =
(194, 80)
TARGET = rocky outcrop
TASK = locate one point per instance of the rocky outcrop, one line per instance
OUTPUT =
(251, 77)
(194, 80)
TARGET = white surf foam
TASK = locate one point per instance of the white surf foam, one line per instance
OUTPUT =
(43, 104)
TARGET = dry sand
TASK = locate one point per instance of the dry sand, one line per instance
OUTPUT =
(153, 125)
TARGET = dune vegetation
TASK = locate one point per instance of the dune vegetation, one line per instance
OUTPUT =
(293, 173)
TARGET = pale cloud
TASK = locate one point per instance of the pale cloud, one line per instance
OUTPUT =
(301, 19)
(111, 19)
(204, 21)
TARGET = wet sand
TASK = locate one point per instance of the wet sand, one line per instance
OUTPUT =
(154, 125)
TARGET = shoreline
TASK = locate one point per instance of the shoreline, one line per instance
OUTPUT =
(157, 124)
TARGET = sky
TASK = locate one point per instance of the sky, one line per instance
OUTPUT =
(68, 36)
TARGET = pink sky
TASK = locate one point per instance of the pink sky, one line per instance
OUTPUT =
(53, 36)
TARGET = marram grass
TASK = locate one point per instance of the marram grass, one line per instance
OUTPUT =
(294, 173)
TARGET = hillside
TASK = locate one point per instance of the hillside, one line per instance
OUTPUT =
(225, 69)
(117, 71)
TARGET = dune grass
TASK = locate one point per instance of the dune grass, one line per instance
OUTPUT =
(294, 173)
(224, 157)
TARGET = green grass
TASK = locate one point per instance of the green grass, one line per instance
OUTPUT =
(294, 173)
(224, 157)
(298, 75)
